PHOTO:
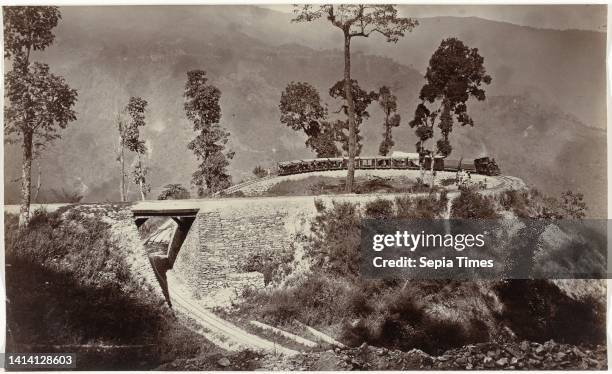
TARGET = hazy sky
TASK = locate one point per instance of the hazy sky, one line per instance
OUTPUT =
(584, 17)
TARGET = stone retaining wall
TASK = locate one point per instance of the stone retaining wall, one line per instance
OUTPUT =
(213, 260)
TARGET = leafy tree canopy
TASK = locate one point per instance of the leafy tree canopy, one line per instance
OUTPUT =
(388, 103)
(201, 101)
(455, 73)
(359, 19)
(28, 28)
(39, 103)
(130, 135)
(301, 108)
(361, 98)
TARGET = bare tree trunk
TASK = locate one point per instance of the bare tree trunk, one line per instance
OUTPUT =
(352, 141)
(432, 157)
(433, 175)
(143, 196)
(141, 181)
(386, 135)
(421, 164)
(35, 199)
(122, 181)
(127, 189)
(26, 179)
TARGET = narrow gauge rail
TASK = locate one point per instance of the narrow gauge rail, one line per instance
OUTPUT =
(482, 165)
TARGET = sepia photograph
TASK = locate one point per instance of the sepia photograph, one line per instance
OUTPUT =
(311, 187)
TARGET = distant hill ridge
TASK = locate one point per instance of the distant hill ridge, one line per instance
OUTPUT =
(250, 53)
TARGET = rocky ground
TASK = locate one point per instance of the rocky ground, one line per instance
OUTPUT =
(489, 356)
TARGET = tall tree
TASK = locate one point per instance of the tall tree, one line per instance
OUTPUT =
(361, 100)
(37, 103)
(356, 20)
(202, 108)
(388, 103)
(129, 120)
(455, 73)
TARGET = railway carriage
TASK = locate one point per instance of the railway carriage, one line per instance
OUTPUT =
(398, 160)
(452, 164)
(438, 163)
(468, 166)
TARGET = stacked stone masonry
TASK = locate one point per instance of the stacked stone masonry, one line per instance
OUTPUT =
(226, 234)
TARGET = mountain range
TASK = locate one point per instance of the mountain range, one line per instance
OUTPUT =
(544, 118)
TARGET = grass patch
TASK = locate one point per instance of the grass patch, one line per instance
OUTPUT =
(321, 185)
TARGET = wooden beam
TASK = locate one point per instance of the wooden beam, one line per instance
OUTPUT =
(165, 212)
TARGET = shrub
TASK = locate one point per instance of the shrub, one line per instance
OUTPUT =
(354, 334)
(534, 204)
(174, 192)
(429, 207)
(573, 205)
(401, 322)
(448, 182)
(259, 172)
(379, 209)
(440, 335)
(470, 204)
(515, 201)
(313, 301)
(357, 302)
(272, 265)
(404, 206)
(336, 239)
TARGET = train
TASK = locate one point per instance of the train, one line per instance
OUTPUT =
(409, 161)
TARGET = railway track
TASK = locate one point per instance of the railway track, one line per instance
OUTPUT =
(242, 185)
(217, 330)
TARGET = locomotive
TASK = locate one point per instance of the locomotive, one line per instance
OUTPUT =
(408, 161)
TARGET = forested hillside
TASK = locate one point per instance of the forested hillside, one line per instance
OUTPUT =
(550, 85)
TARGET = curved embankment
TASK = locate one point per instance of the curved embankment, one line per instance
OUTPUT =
(257, 187)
